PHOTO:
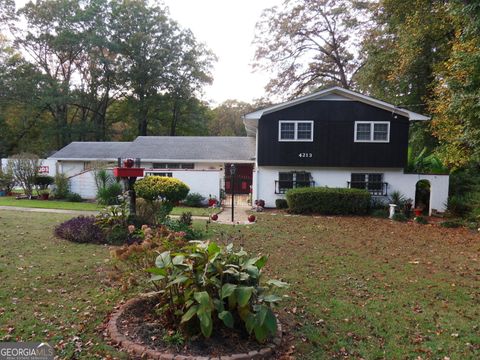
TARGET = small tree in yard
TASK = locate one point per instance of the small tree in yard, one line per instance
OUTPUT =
(165, 189)
(25, 170)
(7, 180)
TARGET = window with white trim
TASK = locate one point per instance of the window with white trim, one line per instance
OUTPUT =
(372, 131)
(298, 130)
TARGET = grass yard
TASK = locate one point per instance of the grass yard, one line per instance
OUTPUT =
(372, 289)
(89, 206)
(51, 289)
(360, 287)
(48, 204)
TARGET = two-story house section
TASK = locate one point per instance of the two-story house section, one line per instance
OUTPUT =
(337, 138)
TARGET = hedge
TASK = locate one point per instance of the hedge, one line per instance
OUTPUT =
(328, 201)
(163, 188)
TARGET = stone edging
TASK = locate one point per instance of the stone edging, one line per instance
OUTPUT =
(146, 352)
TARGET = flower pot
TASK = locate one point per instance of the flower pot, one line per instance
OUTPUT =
(128, 163)
(418, 212)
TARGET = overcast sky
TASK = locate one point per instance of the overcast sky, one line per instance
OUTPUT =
(228, 28)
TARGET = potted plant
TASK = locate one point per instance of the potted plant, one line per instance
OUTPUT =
(212, 201)
(419, 210)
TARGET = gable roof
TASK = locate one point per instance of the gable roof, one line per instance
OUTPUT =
(92, 150)
(334, 93)
(164, 148)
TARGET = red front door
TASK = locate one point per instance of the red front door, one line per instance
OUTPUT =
(243, 178)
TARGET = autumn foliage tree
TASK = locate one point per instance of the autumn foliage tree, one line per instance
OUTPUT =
(306, 44)
(455, 105)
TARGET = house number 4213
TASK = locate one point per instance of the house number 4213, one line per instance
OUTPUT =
(305, 155)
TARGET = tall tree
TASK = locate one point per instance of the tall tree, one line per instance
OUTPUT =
(191, 73)
(21, 111)
(309, 43)
(157, 57)
(227, 118)
(456, 90)
(53, 39)
(400, 52)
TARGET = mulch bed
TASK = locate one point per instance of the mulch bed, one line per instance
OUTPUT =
(142, 326)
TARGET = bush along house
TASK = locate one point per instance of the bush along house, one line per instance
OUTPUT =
(333, 138)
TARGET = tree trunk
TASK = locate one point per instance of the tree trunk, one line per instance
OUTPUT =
(173, 125)
(142, 116)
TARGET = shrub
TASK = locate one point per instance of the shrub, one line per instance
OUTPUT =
(380, 213)
(336, 201)
(42, 182)
(397, 198)
(117, 235)
(399, 217)
(62, 188)
(378, 204)
(458, 206)
(82, 229)
(102, 176)
(73, 197)
(162, 188)
(142, 247)
(281, 204)
(177, 226)
(109, 195)
(194, 200)
(451, 224)
(25, 168)
(421, 220)
(148, 211)
(208, 286)
(186, 218)
(7, 180)
(167, 190)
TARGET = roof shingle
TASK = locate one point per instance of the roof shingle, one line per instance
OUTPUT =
(165, 148)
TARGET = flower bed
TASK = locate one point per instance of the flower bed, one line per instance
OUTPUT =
(131, 328)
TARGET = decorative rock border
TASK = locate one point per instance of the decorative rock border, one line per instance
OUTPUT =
(146, 352)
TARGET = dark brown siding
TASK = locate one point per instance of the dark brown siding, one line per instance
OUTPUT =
(333, 144)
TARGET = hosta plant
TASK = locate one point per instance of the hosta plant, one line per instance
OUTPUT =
(205, 286)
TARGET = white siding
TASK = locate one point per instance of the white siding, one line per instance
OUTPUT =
(334, 177)
(84, 184)
(204, 182)
(70, 168)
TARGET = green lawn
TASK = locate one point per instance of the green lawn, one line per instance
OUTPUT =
(48, 204)
(65, 205)
(360, 287)
(51, 289)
